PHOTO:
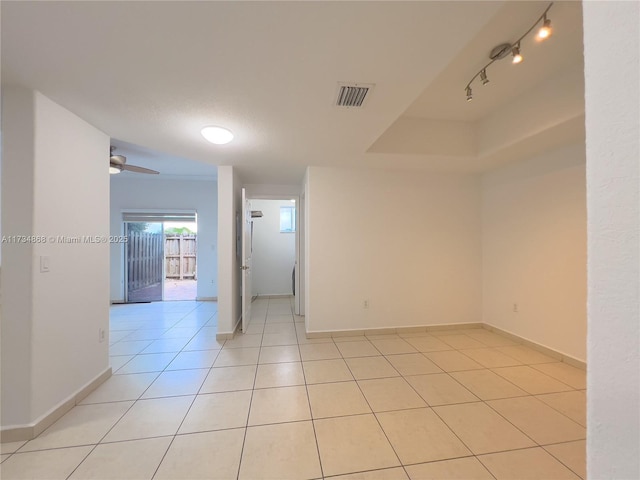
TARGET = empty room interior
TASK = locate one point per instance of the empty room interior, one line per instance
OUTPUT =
(336, 240)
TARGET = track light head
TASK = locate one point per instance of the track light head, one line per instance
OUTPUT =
(469, 94)
(545, 30)
(517, 56)
(483, 77)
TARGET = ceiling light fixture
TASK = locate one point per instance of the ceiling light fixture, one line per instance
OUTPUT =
(483, 77)
(217, 135)
(502, 50)
(114, 170)
(517, 56)
(545, 30)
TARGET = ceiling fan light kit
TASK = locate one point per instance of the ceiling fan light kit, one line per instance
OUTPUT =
(504, 49)
(118, 163)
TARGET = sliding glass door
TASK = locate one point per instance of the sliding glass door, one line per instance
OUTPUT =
(145, 261)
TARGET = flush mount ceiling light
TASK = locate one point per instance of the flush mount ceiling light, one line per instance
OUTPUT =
(217, 135)
(504, 49)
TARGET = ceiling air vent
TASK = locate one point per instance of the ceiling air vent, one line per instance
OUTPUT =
(353, 94)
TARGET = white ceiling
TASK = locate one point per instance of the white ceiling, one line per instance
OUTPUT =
(151, 74)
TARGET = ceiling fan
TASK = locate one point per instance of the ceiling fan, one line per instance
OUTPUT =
(118, 163)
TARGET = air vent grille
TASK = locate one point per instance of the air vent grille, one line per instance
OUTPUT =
(352, 95)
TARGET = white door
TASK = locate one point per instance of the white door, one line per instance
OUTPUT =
(246, 261)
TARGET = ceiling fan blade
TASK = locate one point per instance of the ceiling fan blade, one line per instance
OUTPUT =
(133, 168)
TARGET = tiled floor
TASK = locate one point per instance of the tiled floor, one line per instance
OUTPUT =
(460, 404)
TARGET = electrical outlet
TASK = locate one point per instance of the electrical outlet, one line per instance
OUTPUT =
(515, 308)
(101, 335)
(365, 304)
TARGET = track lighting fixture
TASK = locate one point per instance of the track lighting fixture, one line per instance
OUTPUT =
(517, 57)
(483, 77)
(545, 30)
(503, 50)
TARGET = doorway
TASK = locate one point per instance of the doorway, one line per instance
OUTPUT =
(160, 257)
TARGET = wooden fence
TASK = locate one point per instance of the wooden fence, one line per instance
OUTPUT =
(144, 260)
(180, 254)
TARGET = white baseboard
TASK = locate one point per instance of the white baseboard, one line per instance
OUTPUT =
(206, 299)
(392, 330)
(18, 433)
(560, 356)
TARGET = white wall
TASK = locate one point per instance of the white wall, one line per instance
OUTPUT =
(50, 322)
(534, 250)
(168, 195)
(611, 33)
(406, 241)
(274, 253)
(229, 291)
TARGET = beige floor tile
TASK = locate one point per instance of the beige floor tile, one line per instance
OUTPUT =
(481, 428)
(44, 465)
(365, 368)
(420, 436)
(413, 364)
(166, 345)
(491, 358)
(357, 349)
(440, 389)
(573, 404)
(243, 340)
(203, 456)
(526, 355)
(528, 464)
(383, 474)
(235, 357)
(82, 425)
(279, 354)
(572, 376)
(453, 361)
(194, 359)
(151, 418)
(227, 379)
(119, 388)
(177, 382)
(279, 317)
(133, 460)
(255, 327)
(143, 363)
(353, 444)
(347, 338)
(384, 394)
(118, 361)
(3, 457)
(11, 447)
(129, 348)
(201, 342)
(491, 339)
(336, 399)
(393, 346)
(283, 451)
(326, 371)
(461, 341)
(279, 375)
(572, 454)
(276, 405)
(487, 385)
(319, 351)
(181, 332)
(276, 339)
(468, 468)
(217, 411)
(539, 421)
(531, 380)
(428, 344)
(288, 328)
